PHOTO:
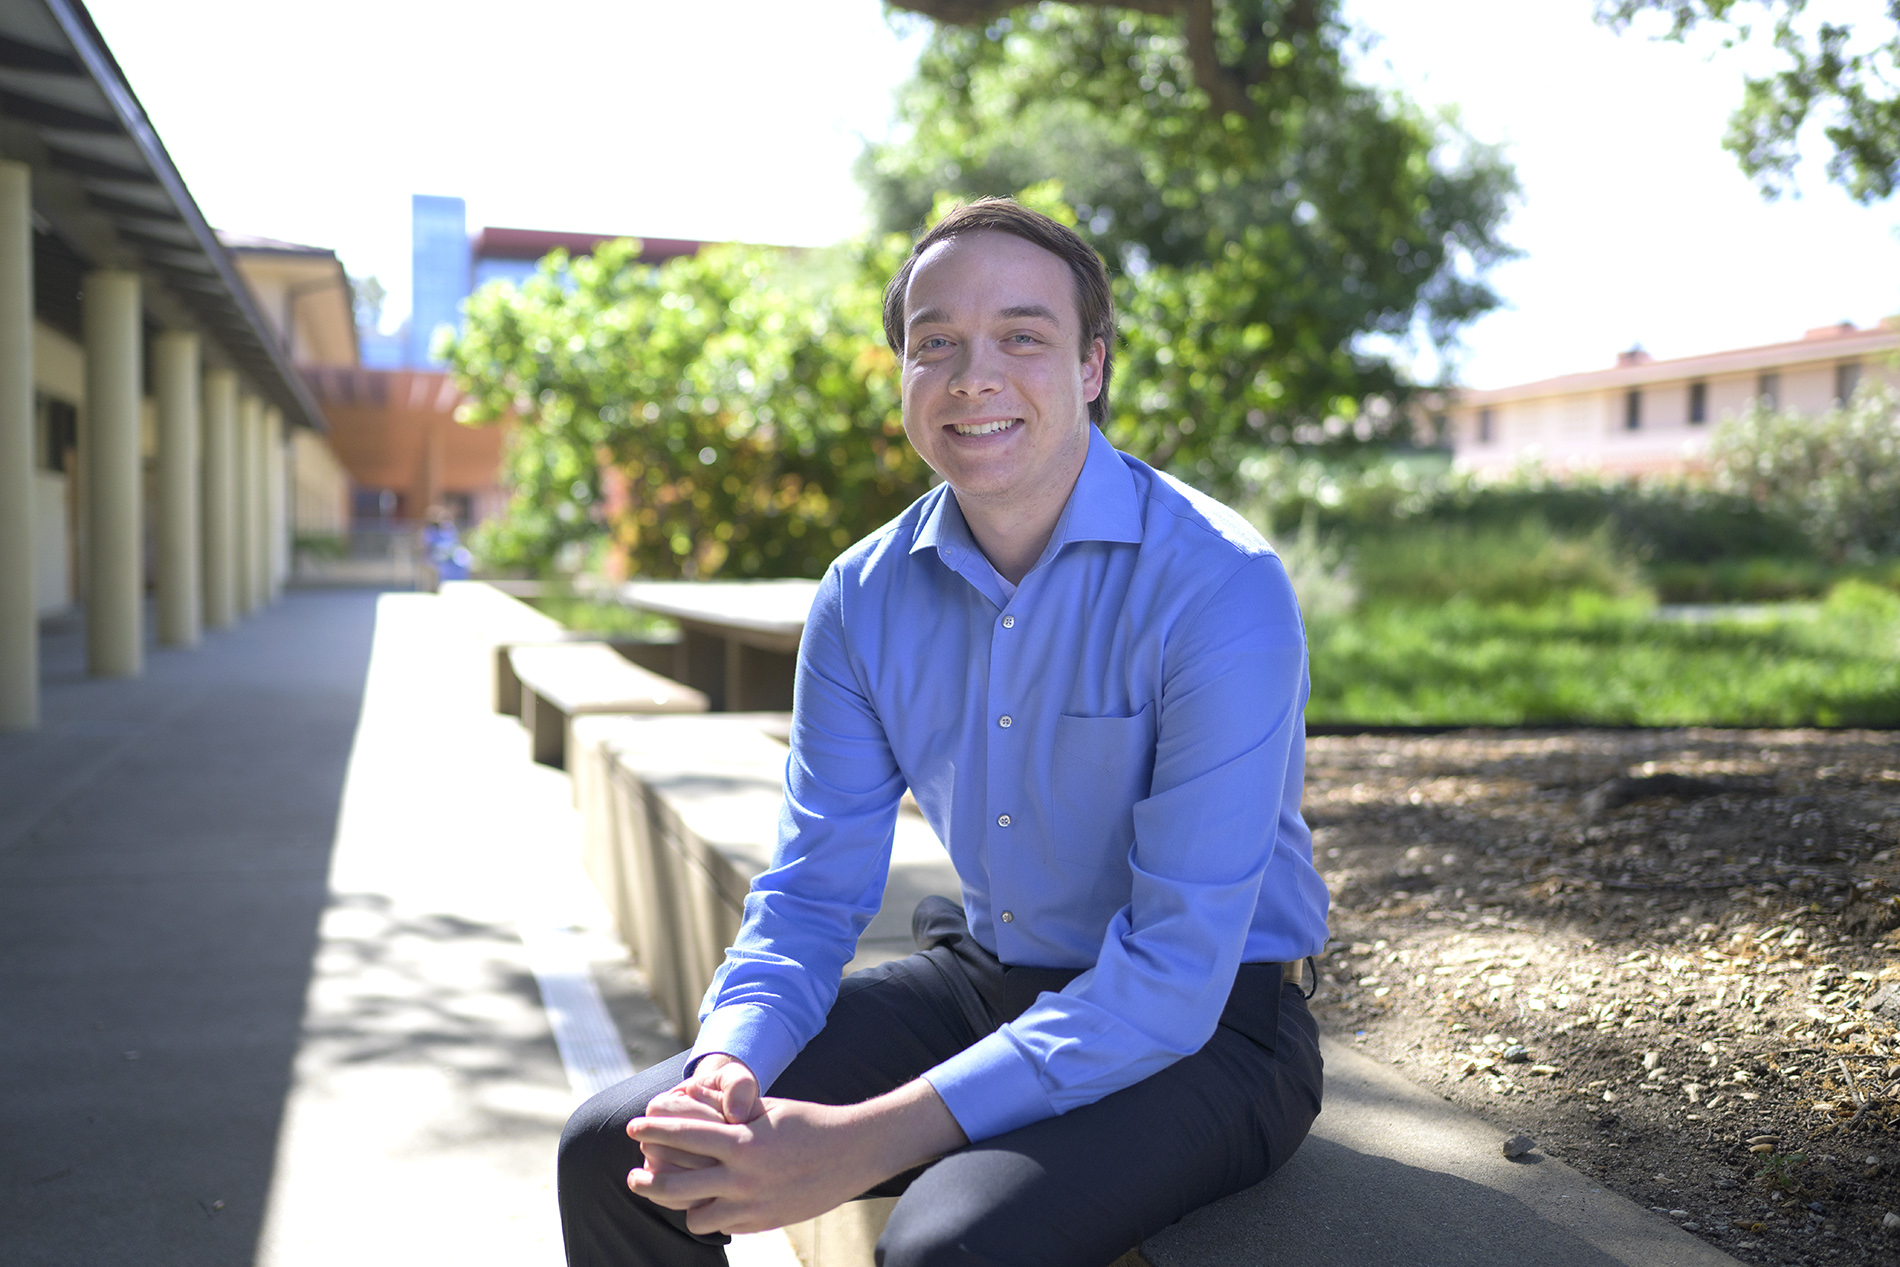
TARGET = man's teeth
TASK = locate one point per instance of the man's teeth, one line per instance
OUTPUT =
(985, 428)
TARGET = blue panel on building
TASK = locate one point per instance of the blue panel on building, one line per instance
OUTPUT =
(440, 274)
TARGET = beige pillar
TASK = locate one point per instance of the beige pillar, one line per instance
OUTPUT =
(19, 617)
(115, 577)
(180, 532)
(277, 503)
(249, 411)
(260, 508)
(220, 498)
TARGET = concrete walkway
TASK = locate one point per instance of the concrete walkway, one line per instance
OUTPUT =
(276, 926)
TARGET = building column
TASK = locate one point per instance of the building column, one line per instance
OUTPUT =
(249, 411)
(260, 507)
(19, 612)
(277, 502)
(180, 533)
(115, 576)
(220, 498)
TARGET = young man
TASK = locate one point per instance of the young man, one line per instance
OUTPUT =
(1092, 679)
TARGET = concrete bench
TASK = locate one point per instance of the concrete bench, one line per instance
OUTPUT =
(562, 681)
(654, 656)
(679, 814)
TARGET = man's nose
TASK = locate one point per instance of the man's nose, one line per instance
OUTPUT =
(977, 372)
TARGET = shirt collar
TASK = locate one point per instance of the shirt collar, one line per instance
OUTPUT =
(1104, 506)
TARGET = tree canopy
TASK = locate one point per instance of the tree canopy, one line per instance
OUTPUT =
(1280, 227)
(1846, 81)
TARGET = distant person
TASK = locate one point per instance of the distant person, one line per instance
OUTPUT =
(1092, 678)
(442, 544)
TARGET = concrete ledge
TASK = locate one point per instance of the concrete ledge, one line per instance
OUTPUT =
(561, 681)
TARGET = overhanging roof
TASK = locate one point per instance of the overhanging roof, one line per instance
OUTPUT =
(105, 187)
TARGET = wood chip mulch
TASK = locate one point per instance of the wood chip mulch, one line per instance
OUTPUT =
(1672, 957)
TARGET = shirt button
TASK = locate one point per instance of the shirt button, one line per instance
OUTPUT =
(1008, 917)
(1005, 721)
(1009, 622)
(1002, 820)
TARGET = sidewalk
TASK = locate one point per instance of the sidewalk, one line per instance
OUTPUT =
(274, 981)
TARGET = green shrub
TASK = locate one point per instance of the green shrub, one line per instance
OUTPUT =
(1837, 475)
(1656, 521)
(1523, 562)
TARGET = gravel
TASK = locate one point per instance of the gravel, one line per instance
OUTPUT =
(1671, 956)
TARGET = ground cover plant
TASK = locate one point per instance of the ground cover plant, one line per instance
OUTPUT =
(1590, 658)
(1669, 956)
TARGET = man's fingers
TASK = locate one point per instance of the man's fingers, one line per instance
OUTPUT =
(738, 1092)
(677, 1103)
(715, 1140)
(660, 1159)
(679, 1189)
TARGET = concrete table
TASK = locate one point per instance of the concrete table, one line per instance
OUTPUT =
(738, 639)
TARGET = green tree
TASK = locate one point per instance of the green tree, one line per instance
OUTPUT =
(1846, 81)
(1273, 220)
(733, 413)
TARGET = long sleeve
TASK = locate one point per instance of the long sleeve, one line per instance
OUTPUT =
(803, 917)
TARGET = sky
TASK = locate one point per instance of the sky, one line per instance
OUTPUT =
(741, 119)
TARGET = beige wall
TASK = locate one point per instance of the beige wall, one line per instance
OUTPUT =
(320, 498)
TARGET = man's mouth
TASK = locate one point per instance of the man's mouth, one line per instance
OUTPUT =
(985, 428)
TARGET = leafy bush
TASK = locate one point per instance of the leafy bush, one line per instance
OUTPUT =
(1837, 476)
(733, 413)
(1656, 521)
(1524, 563)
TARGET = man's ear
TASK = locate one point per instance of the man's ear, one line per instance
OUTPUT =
(1092, 369)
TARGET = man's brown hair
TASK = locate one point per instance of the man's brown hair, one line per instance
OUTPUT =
(1093, 303)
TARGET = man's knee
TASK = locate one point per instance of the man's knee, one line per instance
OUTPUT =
(595, 1148)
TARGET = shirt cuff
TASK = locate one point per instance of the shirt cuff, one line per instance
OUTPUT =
(991, 1087)
(749, 1033)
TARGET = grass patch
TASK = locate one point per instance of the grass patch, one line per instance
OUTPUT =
(588, 615)
(1597, 659)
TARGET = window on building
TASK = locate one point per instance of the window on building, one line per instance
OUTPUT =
(1633, 410)
(1846, 379)
(58, 432)
(1768, 390)
(1487, 427)
(1698, 403)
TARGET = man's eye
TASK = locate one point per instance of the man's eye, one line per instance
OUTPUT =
(934, 342)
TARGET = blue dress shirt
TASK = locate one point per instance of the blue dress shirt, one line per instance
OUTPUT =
(1113, 758)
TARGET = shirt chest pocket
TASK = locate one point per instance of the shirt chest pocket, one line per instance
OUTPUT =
(1102, 766)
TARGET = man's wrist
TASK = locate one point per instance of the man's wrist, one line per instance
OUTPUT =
(905, 1128)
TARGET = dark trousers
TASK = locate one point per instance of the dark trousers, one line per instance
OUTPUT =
(1077, 1190)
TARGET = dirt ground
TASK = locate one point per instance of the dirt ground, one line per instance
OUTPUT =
(1671, 957)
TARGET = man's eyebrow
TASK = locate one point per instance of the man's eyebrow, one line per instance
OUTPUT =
(1031, 310)
(1017, 313)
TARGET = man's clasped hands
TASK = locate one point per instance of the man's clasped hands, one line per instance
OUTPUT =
(739, 1161)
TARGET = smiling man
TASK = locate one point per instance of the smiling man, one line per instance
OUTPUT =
(1091, 678)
